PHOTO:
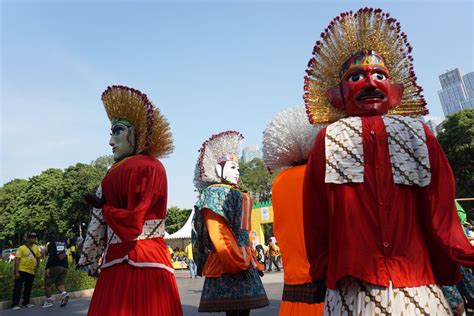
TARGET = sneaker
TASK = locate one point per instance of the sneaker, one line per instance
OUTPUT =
(16, 307)
(29, 305)
(64, 299)
(47, 303)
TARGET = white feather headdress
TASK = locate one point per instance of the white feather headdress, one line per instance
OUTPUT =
(224, 145)
(288, 139)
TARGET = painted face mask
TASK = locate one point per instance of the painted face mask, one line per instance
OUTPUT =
(231, 172)
(122, 139)
(228, 169)
(365, 87)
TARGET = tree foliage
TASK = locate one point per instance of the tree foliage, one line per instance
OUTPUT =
(457, 140)
(10, 197)
(78, 180)
(49, 202)
(255, 179)
(175, 218)
(53, 202)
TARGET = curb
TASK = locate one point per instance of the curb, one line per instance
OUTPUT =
(56, 297)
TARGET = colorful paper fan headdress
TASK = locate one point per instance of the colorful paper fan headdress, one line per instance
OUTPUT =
(288, 139)
(346, 35)
(217, 149)
(152, 130)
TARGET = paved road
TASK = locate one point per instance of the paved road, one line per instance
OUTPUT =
(189, 291)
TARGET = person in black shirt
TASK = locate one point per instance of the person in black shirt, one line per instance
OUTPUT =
(56, 271)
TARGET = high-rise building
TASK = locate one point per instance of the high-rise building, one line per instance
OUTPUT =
(457, 91)
(434, 125)
(250, 152)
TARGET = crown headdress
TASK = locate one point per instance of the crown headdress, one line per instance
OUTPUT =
(217, 149)
(152, 130)
(347, 34)
(288, 139)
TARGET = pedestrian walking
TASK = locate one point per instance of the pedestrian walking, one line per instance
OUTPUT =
(272, 254)
(56, 271)
(26, 265)
(191, 264)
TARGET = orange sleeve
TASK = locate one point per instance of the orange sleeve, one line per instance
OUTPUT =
(225, 244)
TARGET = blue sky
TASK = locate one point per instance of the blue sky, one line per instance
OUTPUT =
(209, 66)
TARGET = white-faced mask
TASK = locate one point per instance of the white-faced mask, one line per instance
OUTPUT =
(230, 172)
(122, 140)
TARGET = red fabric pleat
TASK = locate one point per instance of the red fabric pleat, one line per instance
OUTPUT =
(123, 290)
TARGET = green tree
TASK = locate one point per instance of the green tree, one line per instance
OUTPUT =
(78, 180)
(10, 197)
(103, 162)
(255, 179)
(175, 218)
(40, 206)
(457, 140)
(51, 201)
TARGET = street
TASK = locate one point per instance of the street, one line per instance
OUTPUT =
(189, 291)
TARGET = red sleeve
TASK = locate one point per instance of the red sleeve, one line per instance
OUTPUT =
(439, 210)
(225, 244)
(145, 187)
(316, 210)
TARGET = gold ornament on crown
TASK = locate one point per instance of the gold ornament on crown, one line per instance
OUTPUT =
(347, 34)
(152, 130)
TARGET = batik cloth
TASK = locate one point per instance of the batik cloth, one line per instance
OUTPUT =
(406, 138)
(354, 297)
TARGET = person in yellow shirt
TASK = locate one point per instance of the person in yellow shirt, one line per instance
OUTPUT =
(71, 252)
(171, 252)
(191, 265)
(26, 264)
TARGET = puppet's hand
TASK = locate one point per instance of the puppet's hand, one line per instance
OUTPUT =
(320, 290)
(94, 201)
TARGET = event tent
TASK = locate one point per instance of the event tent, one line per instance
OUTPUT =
(182, 237)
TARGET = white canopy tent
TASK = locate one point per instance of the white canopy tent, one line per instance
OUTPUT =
(182, 237)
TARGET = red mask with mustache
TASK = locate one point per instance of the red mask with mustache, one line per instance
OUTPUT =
(365, 89)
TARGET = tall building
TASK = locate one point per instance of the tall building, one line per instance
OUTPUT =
(434, 125)
(457, 91)
(250, 152)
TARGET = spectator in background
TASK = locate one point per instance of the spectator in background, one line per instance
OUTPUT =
(56, 271)
(71, 252)
(260, 254)
(272, 253)
(80, 246)
(26, 265)
(278, 256)
(171, 251)
(191, 265)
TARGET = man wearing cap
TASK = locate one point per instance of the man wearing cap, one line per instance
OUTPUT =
(26, 264)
